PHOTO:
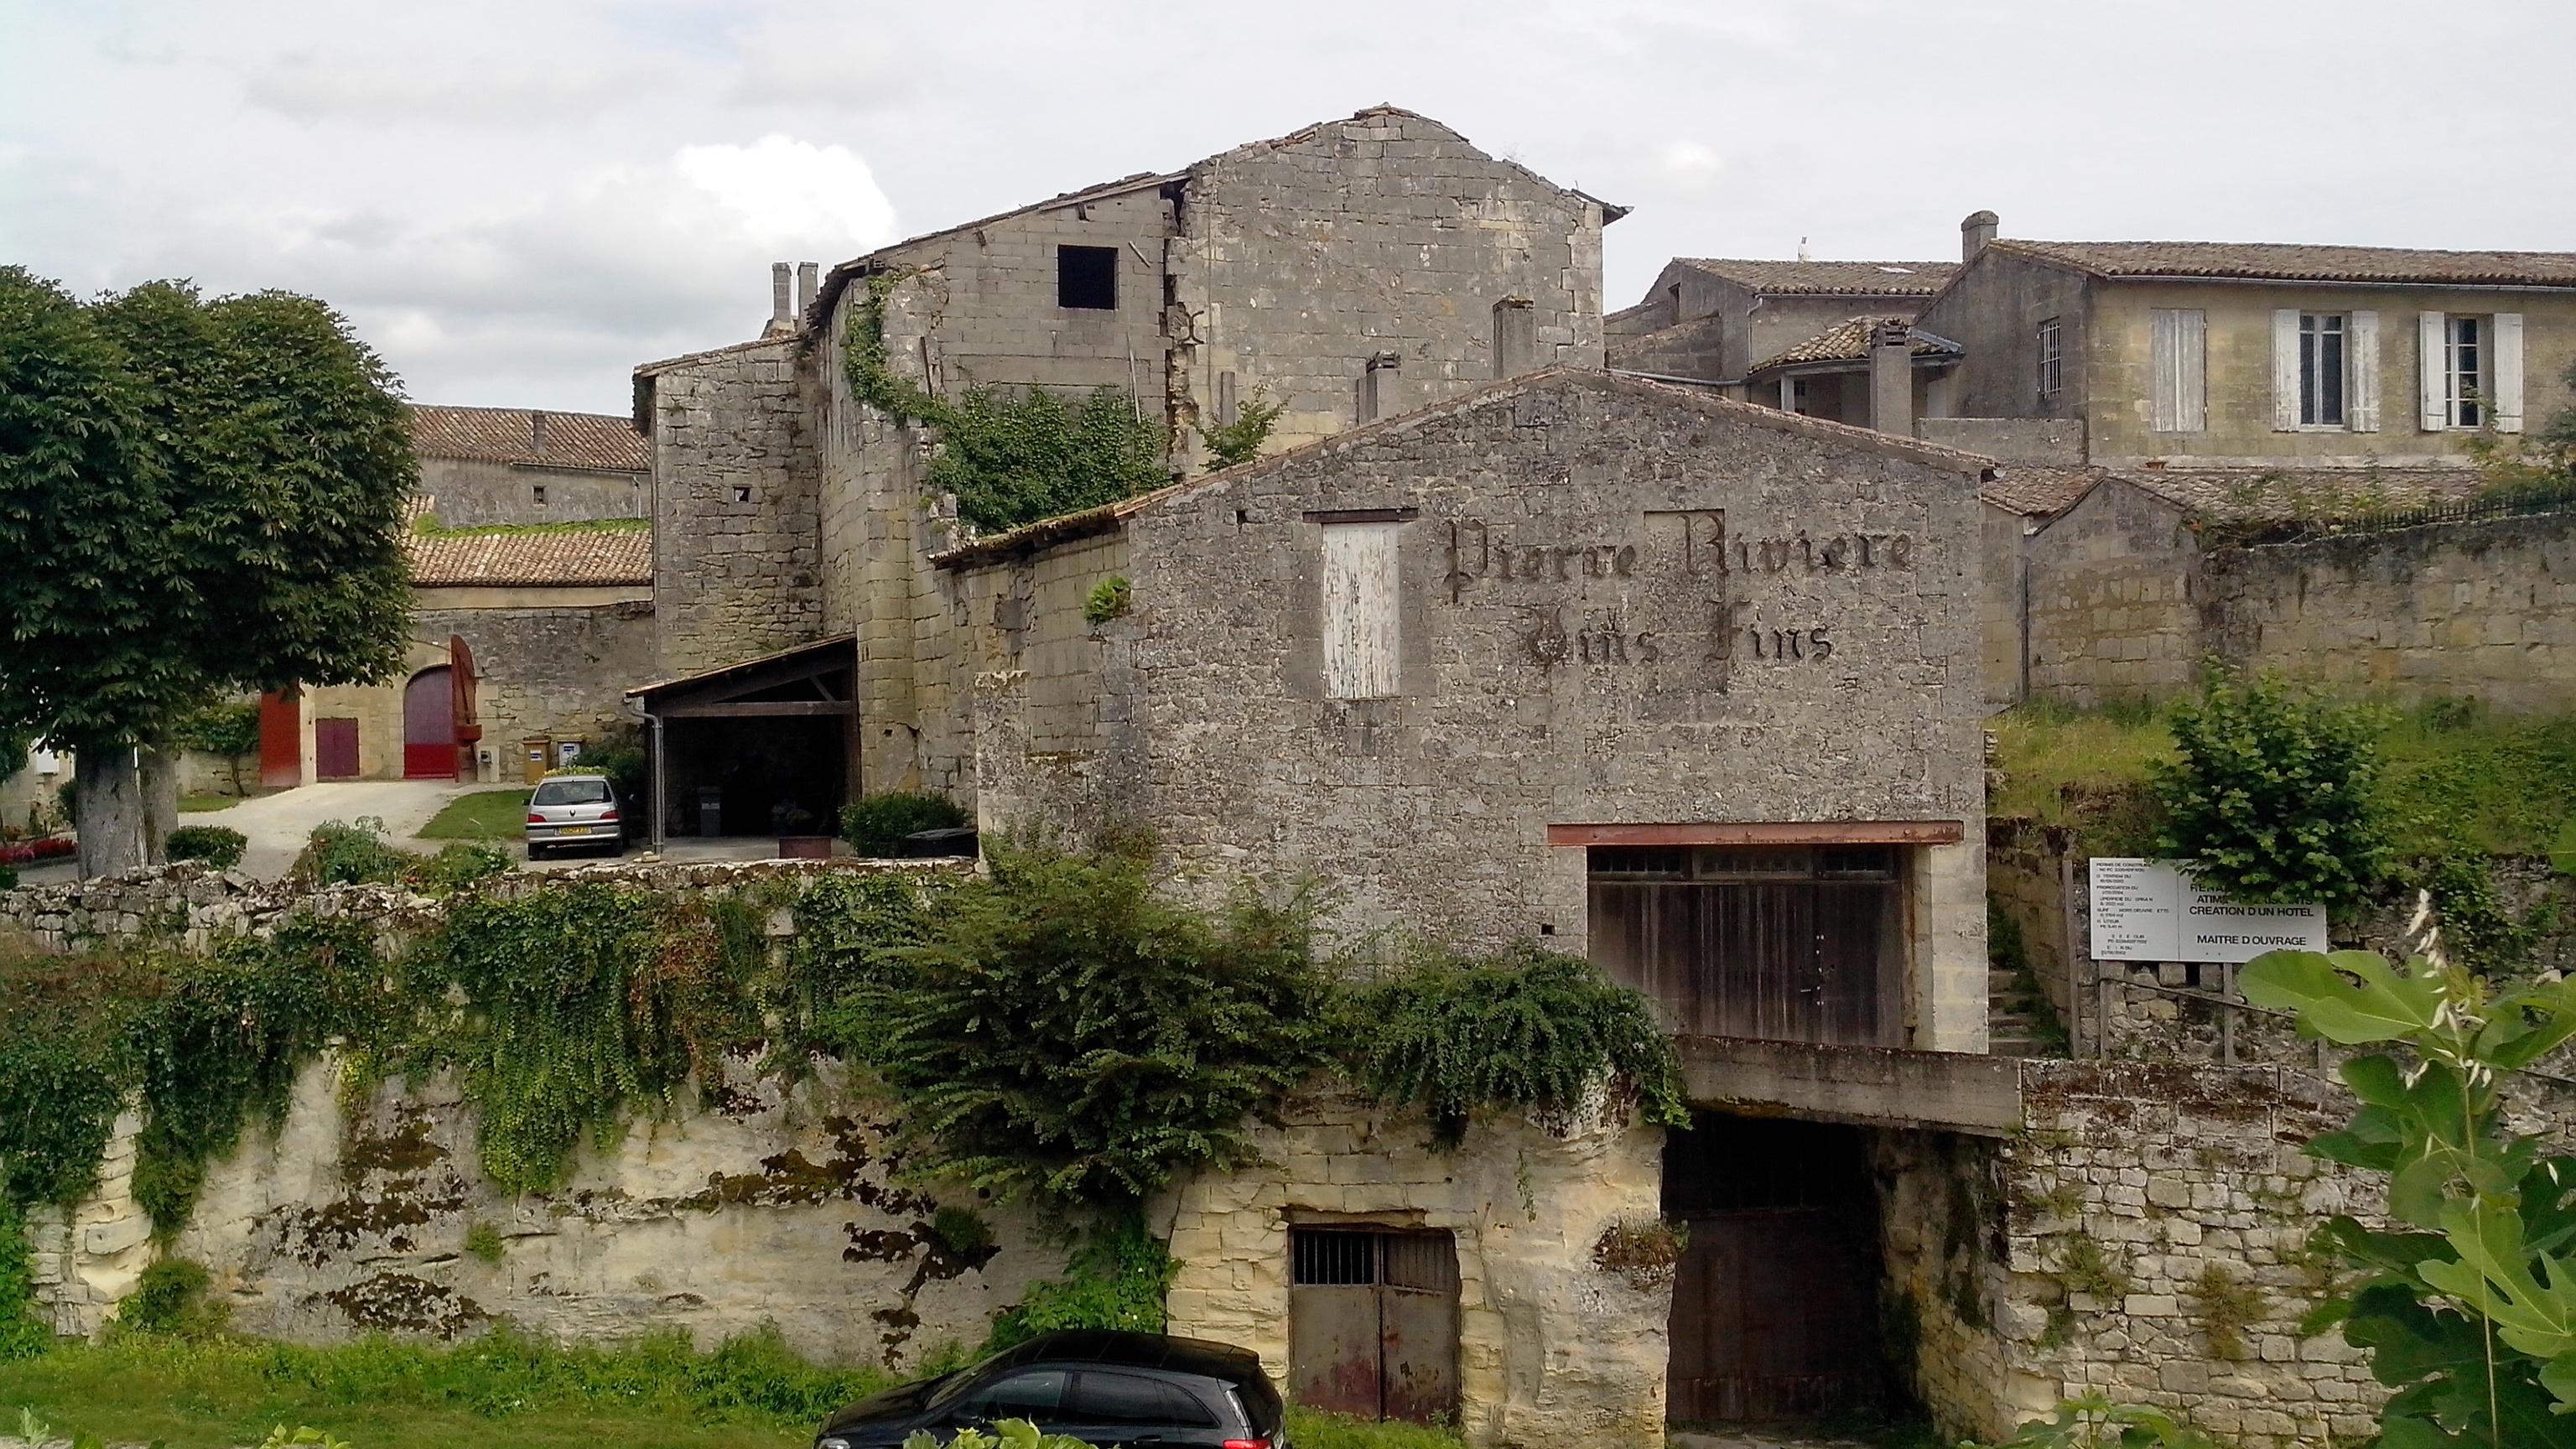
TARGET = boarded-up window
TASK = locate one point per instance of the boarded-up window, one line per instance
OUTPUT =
(1362, 650)
(2177, 340)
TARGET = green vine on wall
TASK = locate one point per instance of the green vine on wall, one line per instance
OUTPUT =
(1009, 458)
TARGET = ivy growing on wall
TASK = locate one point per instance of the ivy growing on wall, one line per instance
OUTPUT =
(1011, 458)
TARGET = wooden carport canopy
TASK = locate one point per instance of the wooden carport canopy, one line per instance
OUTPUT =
(806, 681)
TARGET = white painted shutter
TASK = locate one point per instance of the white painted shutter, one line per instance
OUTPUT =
(2506, 368)
(2178, 346)
(2432, 351)
(2361, 373)
(1362, 656)
(2285, 370)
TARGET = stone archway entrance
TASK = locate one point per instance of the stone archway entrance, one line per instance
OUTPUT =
(429, 725)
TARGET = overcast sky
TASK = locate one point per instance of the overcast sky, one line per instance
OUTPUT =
(519, 201)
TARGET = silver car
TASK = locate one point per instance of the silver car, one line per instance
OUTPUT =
(574, 810)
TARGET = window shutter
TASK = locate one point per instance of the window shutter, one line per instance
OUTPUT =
(2177, 340)
(1362, 638)
(2432, 348)
(2361, 373)
(2506, 370)
(2285, 370)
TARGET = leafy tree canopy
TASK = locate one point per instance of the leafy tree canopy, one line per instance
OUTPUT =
(198, 498)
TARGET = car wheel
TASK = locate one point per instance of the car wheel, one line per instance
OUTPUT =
(536, 851)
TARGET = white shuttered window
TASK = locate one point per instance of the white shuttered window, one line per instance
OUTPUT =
(2178, 340)
(2504, 371)
(2469, 371)
(1363, 655)
(2361, 376)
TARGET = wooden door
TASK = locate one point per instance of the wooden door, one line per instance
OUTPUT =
(335, 749)
(429, 725)
(1794, 945)
(1774, 1319)
(281, 741)
(1373, 1323)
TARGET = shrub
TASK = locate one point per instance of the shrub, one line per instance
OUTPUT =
(8, 877)
(458, 865)
(1530, 1029)
(170, 1298)
(221, 729)
(877, 824)
(1116, 1279)
(216, 845)
(1109, 599)
(626, 767)
(341, 853)
(2272, 798)
(1063, 1032)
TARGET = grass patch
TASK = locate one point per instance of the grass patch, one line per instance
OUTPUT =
(2453, 776)
(206, 804)
(483, 815)
(1315, 1429)
(203, 1393)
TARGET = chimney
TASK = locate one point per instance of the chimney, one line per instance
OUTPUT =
(1378, 387)
(1891, 376)
(1975, 232)
(809, 285)
(781, 320)
(1515, 336)
(537, 436)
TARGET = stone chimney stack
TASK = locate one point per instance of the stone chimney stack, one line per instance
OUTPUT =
(1975, 232)
(781, 319)
(537, 435)
(1891, 376)
(809, 285)
(1378, 388)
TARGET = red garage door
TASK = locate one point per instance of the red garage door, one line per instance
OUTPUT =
(429, 726)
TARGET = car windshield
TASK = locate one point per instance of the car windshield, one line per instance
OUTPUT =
(572, 792)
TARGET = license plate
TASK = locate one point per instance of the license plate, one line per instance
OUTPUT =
(572, 830)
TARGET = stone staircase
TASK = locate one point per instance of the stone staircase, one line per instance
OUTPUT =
(2016, 1019)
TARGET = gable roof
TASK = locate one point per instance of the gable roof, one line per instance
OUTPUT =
(1831, 279)
(554, 557)
(2292, 262)
(2039, 490)
(837, 280)
(1030, 537)
(1848, 341)
(530, 436)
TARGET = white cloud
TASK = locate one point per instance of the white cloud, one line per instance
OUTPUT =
(854, 65)
(783, 190)
(479, 90)
(1691, 161)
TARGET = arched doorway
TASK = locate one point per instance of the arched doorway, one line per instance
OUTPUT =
(429, 725)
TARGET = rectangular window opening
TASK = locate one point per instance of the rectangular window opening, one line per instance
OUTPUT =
(2464, 368)
(1087, 278)
(540, 491)
(2052, 359)
(1363, 656)
(2321, 367)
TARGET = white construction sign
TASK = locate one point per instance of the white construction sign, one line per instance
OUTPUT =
(2148, 910)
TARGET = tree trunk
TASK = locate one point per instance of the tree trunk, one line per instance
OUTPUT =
(107, 808)
(160, 765)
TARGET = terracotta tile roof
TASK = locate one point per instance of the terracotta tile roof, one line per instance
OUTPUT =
(1848, 341)
(530, 436)
(2038, 490)
(2285, 262)
(1862, 279)
(2263, 494)
(557, 557)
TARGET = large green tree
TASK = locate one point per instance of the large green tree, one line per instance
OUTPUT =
(197, 498)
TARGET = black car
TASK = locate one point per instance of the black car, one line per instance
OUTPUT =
(1100, 1387)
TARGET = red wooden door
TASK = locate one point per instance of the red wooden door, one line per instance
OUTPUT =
(335, 749)
(429, 725)
(281, 741)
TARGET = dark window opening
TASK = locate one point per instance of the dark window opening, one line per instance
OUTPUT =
(1087, 277)
(742, 495)
(540, 491)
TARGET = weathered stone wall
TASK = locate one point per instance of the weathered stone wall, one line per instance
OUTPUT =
(1562, 686)
(2114, 591)
(2000, 604)
(1552, 1348)
(561, 672)
(1993, 310)
(2058, 441)
(737, 533)
(2483, 610)
(470, 493)
(1301, 258)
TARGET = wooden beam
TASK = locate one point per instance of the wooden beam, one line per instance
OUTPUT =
(761, 709)
(1768, 832)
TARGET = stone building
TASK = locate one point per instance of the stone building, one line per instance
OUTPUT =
(1715, 320)
(532, 607)
(1344, 272)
